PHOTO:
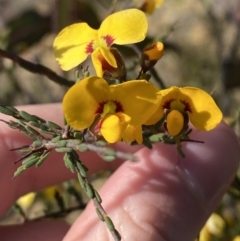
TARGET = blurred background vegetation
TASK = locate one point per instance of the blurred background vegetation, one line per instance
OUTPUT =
(202, 49)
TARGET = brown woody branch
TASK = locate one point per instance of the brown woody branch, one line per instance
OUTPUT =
(36, 68)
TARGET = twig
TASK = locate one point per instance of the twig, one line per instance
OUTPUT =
(92, 193)
(36, 68)
(114, 232)
(105, 150)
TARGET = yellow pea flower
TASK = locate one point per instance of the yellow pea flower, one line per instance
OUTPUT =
(115, 106)
(182, 104)
(75, 42)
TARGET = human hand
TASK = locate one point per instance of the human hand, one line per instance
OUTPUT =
(161, 197)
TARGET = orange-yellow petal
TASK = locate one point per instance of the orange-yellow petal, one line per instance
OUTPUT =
(205, 114)
(168, 95)
(172, 98)
(124, 27)
(113, 126)
(175, 122)
(73, 44)
(103, 59)
(139, 99)
(171, 93)
(108, 56)
(104, 69)
(157, 116)
(138, 134)
(82, 101)
(154, 51)
(98, 62)
(132, 133)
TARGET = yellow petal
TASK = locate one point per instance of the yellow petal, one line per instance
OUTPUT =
(82, 100)
(113, 126)
(157, 116)
(204, 114)
(171, 93)
(128, 135)
(103, 60)
(124, 27)
(168, 95)
(132, 133)
(73, 44)
(108, 56)
(173, 99)
(98, 62)
(139, 99)
(175, 122)
(138, 134)
(104, 69)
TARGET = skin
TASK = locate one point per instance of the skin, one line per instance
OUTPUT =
(162, 197)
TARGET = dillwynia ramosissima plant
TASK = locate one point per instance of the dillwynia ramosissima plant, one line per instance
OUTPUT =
(107, 107)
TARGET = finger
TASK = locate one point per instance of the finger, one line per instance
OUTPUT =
(43, 230)
(164, 196)
(51, 172)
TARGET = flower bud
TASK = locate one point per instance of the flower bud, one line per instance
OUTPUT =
(150, 5)
(150, 55)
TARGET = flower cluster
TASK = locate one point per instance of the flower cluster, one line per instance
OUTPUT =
(115, 111)
(122, 111)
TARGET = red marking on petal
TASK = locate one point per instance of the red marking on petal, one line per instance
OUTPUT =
(100, 107)
(89, 48)
(105, 65)
(166, 104)
(109, 40)
(119, 107)
(187, 106)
